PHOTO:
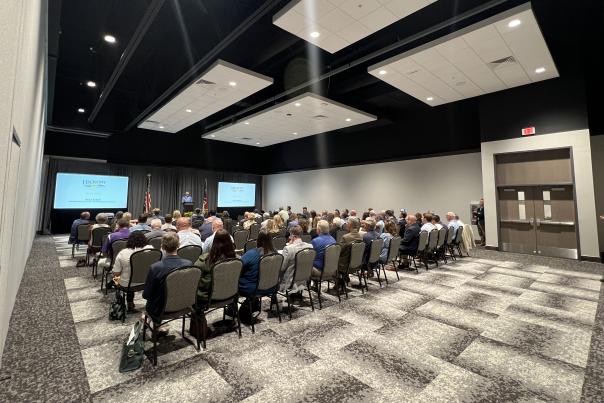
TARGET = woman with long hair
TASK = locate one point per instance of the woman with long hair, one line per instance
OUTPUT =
(121, 268)
(222, 248)
(251, 262)
(390, 231)
(278, 221)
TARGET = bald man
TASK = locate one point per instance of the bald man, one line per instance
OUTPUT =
(186, 234)
(217, 224)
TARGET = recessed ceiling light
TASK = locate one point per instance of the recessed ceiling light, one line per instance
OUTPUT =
(382, 72)
(109, 38)
(81, 110)
(246, 123)
(91, 84)
(430, 99)
(315, 34)
(295, 133)
(212, 135)
(188, 110)
(232, 83)
(257, 144)
(514, 23)
(348, 119)
(297, 104)
(540, 70)
(161, 127)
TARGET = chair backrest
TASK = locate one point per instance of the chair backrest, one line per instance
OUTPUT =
(116, 247)
(269, 270)
(254, 230)
(395, 244)
(240, 237)
(155, 242)
(83, 232)
(303, 267)
(225, 280)
(376, 248)
(282, 232)
(306, 238)
(97, 236)
(190, 252)
(357, 249)
(332, 256)
(432, 240)
(459, 235)
(279, 242)
(423, 241)
(450, 235)
(442, 237)
(181, 288)
(259, 220)
(339, 234)
(142, 231)
(251, 244)
(140, 262)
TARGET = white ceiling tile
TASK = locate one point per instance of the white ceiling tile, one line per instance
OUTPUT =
(208, 94)
(378, 19)
(358, 9)
(336, 19)
(486, 57)
(403, 8)
(354, 32)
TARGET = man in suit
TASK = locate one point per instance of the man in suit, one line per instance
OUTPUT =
(156, 230)
(294, 245)
(84, 219)
(154, 285)
(410, 240)
(352, 236)
(205, 230)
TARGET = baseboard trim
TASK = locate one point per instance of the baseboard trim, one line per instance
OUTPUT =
(595, 259)
(491, 247)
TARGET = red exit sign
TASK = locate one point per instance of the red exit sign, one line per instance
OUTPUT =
(528, 131)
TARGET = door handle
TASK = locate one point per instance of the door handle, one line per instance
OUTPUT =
(538, 222)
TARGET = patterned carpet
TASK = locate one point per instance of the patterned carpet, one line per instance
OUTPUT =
(484, 328)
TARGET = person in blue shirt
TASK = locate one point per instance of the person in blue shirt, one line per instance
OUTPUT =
(322, 241)
(187, 198)
(251, 263)
(142, 224)
(84, 219)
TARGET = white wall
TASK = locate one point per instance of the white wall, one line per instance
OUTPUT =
(597, 159)
(579, 140)
(23, 61)
(439, 184)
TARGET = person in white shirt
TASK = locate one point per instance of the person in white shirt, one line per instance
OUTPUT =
(436, 222)
(427, 221)
(461, 224)
(217, 224)
(186, 234)
(121, 268)
(294, 245)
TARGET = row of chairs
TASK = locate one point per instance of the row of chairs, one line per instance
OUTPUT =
(438, 245)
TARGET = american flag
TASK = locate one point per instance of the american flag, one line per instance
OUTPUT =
(147, 207)
(205, 197)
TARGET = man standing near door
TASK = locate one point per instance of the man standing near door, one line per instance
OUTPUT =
(480, 222)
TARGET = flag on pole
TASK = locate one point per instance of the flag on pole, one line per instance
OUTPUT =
(205, 198)
(147, 207)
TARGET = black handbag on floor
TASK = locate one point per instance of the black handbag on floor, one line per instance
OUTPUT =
(117, 311)
(133, 349)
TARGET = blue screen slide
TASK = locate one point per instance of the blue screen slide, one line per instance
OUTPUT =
(236, 194)
(84, 191)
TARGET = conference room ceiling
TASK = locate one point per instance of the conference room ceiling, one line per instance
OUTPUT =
(302, 116)
(162, 47)
(504, 51)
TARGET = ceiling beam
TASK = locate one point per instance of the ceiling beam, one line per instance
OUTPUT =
(136, 39)
(210, 57)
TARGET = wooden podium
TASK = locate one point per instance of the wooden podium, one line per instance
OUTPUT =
(187, 207)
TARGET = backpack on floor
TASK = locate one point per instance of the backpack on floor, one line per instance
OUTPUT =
(117, 310)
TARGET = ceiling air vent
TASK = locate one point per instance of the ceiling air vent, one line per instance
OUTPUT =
(246, 138)
(502, 63)
(319, 117)
(204, 82)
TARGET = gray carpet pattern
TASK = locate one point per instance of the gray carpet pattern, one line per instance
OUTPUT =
(492, 327)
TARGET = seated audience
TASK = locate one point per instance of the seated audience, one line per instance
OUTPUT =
(335, 226)
(251, 262)
(128, 216)
(206, 229)
(186, 234)
(121, 267)
(322, 241)
(410, 239)
(303, 223)
(265, 218)
(368, 237)
(227, 222)
(293, 220)
(389, 233)
(142, 224)
(461, 224)
(222, 248)
(427, 223)
(294, 245)
(168, 223)
(176, 215)
(217, 225)
(156, 215)
(379, 225)
(101, 222)
(250, 219)
(272, 228)
(122, 233)
(352, 236)
(278, 221)
(116, 218)
(84, 219)
(436, 221)
(452, 222)
(154, 291)
(156, 230)
(197, 219)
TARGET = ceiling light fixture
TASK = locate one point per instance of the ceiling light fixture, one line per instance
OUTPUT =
(212, 135)
(430, 99)
(540, 70)
(91, 84)
(246, 123)
(297, 104)
(514, 23)
(188, 110)
(109, 38)
(81, 110)
(382, 72)
(232, 83)
(161, 127)
(295, 133)
(315, 34)
(257, 144)
(348, 119)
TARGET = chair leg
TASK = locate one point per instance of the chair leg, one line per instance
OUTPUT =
(361, 282)
(194, 325)
(336, 288)
(344, 285)
(238, 319)
(154, 336)
(249, 302)
(319, 294)
(378, 274)
(182, 331)
(144, 328)
(73, 250)
(289, 305)
(312, 305)
(204, 328)
(384, 270)
(277, 305)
